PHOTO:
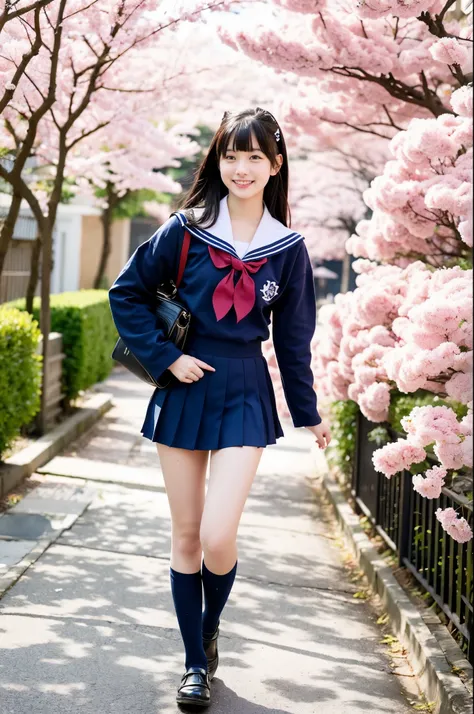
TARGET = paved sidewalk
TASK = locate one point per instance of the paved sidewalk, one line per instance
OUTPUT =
(90, 626)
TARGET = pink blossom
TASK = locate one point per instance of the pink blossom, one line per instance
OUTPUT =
(466, 424)
(377, 307)
(400, 8)
(450, 51)
(461, 101)
(458, 528)
(375, 401)
(459, 387)
(397, 456)
(426, 425)
(465, 230)
(451, 455)
(431, 484)
(467, 450)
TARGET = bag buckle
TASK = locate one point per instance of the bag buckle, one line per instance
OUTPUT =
(170, 293)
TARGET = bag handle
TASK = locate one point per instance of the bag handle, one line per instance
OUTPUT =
(183, 257)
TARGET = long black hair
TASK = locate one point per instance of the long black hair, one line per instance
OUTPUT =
(208, 188)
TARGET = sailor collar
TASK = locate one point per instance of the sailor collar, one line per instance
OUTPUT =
(270, 237)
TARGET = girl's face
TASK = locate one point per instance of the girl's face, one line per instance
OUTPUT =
(246, 173)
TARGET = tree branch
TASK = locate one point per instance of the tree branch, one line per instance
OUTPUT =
(25, 60)
(6, 16)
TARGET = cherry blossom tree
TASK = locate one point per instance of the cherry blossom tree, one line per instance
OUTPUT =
(90, 47)
(422, 202)
(74, 87)
(366, 66)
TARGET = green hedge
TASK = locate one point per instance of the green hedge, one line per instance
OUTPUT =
(343, 431)
(20, 373)
(89, 335)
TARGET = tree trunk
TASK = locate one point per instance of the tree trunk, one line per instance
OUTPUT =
(45, 316)
(34, 273)
(8, 227)
(346, 271)
(106, 219)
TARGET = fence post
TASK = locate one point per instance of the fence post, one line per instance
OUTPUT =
(355, 463)
(52, 383)
(404, 530)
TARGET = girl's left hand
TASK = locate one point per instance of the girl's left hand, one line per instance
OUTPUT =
(322, 434)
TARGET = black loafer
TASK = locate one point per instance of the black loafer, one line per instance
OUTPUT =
(194, 688)
(212, 654)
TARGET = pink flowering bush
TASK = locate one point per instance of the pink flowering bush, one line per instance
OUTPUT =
(431, 483)
(397, 456)
(451, 442)
(435, 426)
(401, 329)
(458, 528)
(422, 202)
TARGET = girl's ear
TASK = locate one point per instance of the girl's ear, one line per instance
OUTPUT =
(279, 161)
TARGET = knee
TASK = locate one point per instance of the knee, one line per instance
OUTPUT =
(215, 543)
(186, 543)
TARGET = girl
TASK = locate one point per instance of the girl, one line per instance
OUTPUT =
(245, 268)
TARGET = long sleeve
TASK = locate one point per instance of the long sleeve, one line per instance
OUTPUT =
(132, 297)
(294, 321)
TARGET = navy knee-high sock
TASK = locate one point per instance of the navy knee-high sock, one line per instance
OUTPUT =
(216, 593)
(186, 589)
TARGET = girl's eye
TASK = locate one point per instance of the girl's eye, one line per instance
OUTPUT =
(254, 156)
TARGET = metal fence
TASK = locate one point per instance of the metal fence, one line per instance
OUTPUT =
(408, 524)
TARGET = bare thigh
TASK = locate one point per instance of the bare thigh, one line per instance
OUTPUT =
(184, 474)
(232, 472)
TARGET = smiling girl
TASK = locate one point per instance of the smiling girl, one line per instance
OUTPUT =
(245, 269)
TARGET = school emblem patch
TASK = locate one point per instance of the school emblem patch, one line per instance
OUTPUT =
(269, 290)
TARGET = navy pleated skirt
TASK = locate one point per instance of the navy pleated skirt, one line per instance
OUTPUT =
(233, 406)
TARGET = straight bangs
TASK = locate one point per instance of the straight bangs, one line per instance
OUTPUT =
(237, 136)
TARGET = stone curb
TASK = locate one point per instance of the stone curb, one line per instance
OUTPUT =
(28, 460)
(427, 658)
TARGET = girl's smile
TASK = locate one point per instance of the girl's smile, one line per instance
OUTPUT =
(242, 184)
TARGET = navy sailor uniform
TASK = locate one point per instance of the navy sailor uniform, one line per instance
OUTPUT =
(232, 301)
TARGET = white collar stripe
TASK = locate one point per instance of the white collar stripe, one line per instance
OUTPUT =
(275, 250)
(206, 237)
(200, 233)
(182, 218)
(277, 245)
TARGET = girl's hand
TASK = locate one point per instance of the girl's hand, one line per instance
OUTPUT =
(322, 434)
(188, 369)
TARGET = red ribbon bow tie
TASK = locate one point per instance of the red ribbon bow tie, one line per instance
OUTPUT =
(226, 294)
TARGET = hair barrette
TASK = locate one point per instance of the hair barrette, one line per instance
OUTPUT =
(277, 135)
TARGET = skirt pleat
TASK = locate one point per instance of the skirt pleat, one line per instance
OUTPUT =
(210, 426)
(233, 406)
(268, 403)
(254, 413)
(174, 400)
(232, 421)
(192, 412)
